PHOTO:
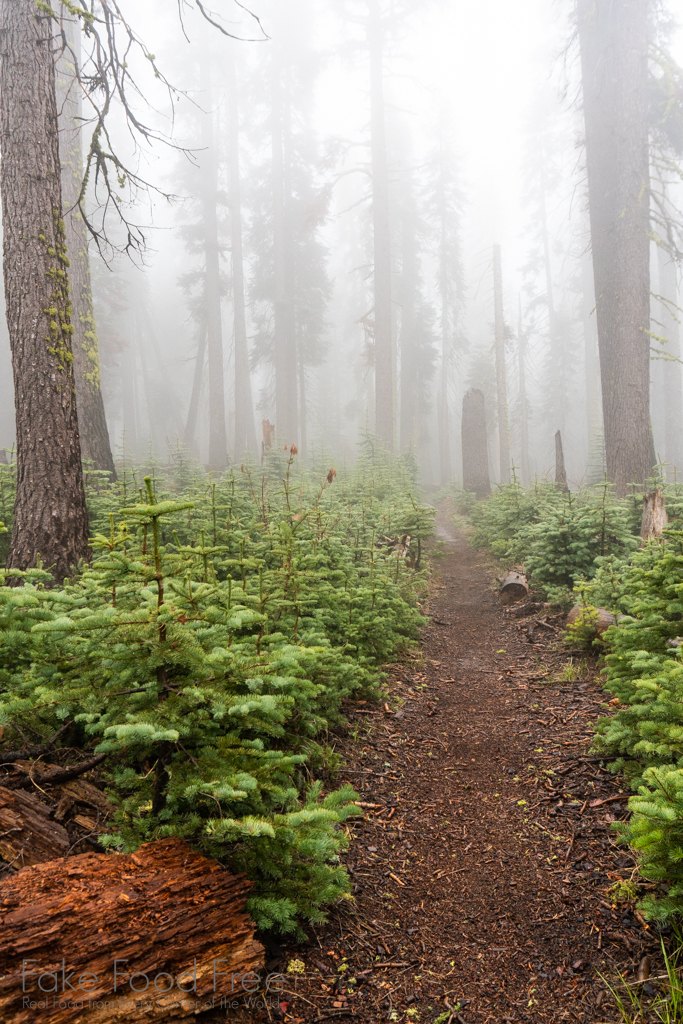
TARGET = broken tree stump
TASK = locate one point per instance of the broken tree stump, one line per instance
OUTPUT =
(599, 618)
(513, 588)
(475, 455)
(173, 919)
(655, 517)
(560, 471)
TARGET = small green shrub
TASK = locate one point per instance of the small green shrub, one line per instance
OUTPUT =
(216, 635)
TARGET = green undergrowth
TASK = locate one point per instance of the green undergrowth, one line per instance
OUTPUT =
(556, 536)
(208, 650)
(585, 548)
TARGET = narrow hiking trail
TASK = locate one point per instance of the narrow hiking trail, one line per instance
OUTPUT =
(483, 859)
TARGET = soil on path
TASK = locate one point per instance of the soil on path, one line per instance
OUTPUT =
(482, 863)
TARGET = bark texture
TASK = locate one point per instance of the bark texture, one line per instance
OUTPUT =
(158, 911)
(501, 376)
(560, 471)
(27, 833)
(475, 457)
(218, 438)
(283, 261)
(381, 237)
(614, 36)
(95, 444)
(50, 514)
(513, 588)
(245, 431)
(655, 517)
(673, 390)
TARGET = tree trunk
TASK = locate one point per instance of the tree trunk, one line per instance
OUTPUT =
(590, 355)
(51, 520)
(523, 401)
(475, 457)
(614, 37)
(501, 381)
(381, 237)
(283, 302)
(95, 444)
(673, 392)
(557, 395)
(409, 380)
(190, 436)
(172, 920)
(245, 431)
(560, 471)
(218, 439)
(655, 517)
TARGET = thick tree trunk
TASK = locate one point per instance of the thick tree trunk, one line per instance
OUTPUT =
(673, 391)
(501, 378)
(172, 921)
(560, 471)
(283, 299)
(475, 456)
(95, 444)
(245, 431)
(381, 237)
(218, 439)
(614, 36)
(51, 520)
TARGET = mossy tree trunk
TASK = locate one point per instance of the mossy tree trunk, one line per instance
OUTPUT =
(50, 512)
(95, 444)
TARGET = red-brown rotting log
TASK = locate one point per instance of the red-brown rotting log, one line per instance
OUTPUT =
(168, 915)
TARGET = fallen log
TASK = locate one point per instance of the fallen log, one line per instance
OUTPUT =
(27, 834)
(151, 936)
(513, 588)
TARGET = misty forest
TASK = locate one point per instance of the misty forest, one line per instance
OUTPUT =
(341, 511)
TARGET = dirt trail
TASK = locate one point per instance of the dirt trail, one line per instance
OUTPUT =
(479, 878)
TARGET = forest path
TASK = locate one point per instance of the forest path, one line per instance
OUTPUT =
(461, 887)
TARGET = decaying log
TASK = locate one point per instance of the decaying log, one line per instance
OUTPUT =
(603, 621)
(513, 588)
(27, 835)
(655, 517)
(560, 471)
(165, 913)
(475, 456)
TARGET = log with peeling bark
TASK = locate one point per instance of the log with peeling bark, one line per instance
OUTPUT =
(168, 915)
(655, 517)
(27, 833)
(513, 588)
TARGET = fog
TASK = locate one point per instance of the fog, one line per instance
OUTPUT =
(482, 105)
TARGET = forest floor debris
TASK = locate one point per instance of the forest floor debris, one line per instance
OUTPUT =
(485, 872)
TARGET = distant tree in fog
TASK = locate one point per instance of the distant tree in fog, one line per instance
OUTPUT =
(614, 39)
